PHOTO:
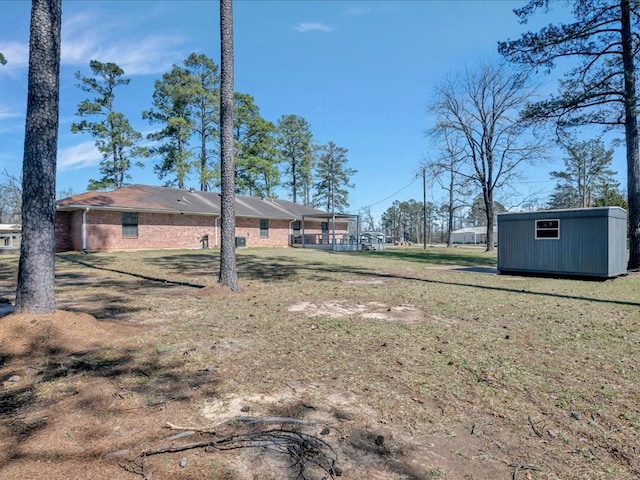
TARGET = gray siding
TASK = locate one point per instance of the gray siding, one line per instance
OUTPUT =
(591, 242)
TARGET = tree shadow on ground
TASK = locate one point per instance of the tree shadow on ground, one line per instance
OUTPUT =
(8, 269)
(436, 257)
(255, 267)
(99, 263)
(46, 381)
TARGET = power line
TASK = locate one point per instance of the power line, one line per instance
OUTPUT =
(387, 198)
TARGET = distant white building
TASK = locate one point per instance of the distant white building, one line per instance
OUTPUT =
(10, 236)
(472, 235)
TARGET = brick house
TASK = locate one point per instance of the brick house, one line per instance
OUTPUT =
(149, 217)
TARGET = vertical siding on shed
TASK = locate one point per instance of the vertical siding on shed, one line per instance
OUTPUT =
(592, 242)
(617, 243)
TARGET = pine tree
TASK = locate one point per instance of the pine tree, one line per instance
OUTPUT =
(333, 179)
(228, 272)
(295, 143)
(115, 137)
(204, 91)
(36, 269)
(172, 109)
(257, 161)
(586, 169)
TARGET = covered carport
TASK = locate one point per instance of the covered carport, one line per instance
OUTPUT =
(339, 232)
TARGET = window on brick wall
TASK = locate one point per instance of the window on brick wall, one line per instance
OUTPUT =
(264, 228)
(129, 224)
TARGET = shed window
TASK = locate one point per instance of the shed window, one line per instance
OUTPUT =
(548, 229)
(264, 228)
(129, 224)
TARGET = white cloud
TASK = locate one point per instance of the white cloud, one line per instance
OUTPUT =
(152, 54)
(16, 54)
(11, 122)
(312, 27)
(86, 39)
(6, 113)
(82, 155)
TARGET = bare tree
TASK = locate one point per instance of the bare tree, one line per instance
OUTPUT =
(36, 270)
(228, 271)
(449, 172)
(480, 110)
(10, 199)
(368, 223)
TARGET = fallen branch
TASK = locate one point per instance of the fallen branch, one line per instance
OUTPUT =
(252, 420)
(177, 448)
(519, 466)
(138, 469)
(535, 428)
(188, 429)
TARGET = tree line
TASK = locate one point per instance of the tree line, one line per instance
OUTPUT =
(409, 221)
(186, 144)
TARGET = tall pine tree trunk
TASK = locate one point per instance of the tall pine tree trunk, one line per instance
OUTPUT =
(36, 271)
(631, 137)
(228, 273)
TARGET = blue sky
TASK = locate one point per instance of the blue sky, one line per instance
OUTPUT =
(362, 73)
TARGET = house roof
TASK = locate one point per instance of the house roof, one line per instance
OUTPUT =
(146, 198)
(10, 228)
(475, 230)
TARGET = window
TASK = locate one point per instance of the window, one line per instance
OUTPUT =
(548, 229)
(129, 224)
(264, 228)
(295, 226)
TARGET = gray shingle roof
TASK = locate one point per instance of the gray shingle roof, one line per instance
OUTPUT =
(148, 198)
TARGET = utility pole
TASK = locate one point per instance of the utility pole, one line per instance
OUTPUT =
(424, 207)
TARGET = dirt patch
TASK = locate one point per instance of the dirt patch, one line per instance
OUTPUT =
(359, 439)
(364, 282)
(369, 310)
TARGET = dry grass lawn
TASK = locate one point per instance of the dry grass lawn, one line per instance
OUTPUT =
(403, 364)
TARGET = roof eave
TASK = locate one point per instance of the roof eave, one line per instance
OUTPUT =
(71, 208)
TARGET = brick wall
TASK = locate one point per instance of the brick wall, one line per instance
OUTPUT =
(63, 232)
(158, 231)
(277, 233)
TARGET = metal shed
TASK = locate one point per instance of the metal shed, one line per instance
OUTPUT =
(589, 242)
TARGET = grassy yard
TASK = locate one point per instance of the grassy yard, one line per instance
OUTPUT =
(400, 364)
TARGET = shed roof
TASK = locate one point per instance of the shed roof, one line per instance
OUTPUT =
(147, 198)
(618, 212)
